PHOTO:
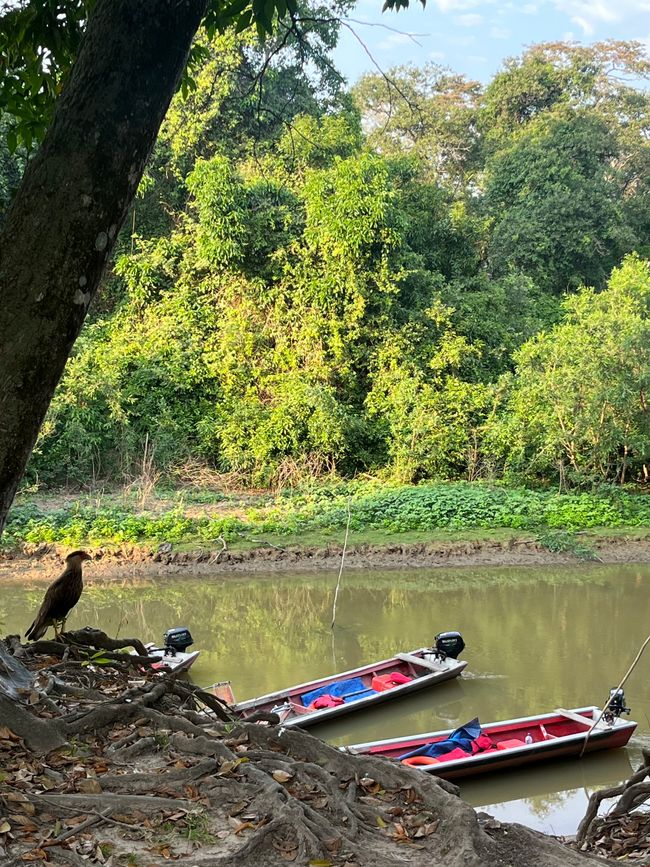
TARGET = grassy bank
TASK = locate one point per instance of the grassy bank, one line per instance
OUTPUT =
(319, 515)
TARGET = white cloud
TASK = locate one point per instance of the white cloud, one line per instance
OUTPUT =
(530, 9)
(459, 5)
(471, 20)
(393, 40)
(497, 32)
(588, 14)
(463, 41)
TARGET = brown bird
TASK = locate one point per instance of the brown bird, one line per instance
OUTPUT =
(60, 598)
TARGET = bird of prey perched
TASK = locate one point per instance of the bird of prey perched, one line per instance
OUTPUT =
(60, 598)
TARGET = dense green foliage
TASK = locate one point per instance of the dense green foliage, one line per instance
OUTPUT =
(391, 510)
(389, 280)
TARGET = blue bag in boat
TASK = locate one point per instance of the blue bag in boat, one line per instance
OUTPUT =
(461, 738)
(351, 689)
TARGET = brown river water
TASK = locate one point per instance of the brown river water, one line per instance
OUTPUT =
(537, 639)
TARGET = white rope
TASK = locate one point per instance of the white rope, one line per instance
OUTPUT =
(338, 582)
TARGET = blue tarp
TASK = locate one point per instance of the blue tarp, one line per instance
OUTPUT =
(341, 689)
(460, 739)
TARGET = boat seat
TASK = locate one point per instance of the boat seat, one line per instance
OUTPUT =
(576, 717)
(298, 708)
(510, 744)
(547, 735)
(417, 661)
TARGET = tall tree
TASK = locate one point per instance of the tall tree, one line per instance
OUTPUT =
(577, 406)
(64, 220)
(428, 111)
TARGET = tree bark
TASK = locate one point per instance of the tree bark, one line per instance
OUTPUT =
(74, 196)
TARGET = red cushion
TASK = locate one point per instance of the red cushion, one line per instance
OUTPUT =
(454, 754)
(511, 744)
(325, 701)
(398, 678)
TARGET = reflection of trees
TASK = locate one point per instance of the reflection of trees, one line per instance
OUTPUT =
(544, 805)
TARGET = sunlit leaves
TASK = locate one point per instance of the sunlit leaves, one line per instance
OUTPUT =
(578, 403)
(38, 43)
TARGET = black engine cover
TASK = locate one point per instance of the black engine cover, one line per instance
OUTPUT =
(178, 638)
(450, 643)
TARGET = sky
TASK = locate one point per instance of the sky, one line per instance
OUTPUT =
(475, 36)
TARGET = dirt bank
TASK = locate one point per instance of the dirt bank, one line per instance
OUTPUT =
(129, 561)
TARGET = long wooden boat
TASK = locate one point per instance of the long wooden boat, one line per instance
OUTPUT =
(355, 689)
(516, 742)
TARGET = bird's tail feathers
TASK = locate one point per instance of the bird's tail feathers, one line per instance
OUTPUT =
(36, 631)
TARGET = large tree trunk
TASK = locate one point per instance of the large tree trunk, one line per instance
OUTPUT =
(73, 199)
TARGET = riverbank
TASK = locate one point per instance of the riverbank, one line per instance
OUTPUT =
(386, 526)
(36, 562)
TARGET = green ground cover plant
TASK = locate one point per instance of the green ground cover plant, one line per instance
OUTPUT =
(456, 506)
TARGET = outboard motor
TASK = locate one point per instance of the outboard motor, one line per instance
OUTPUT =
(449, 644)
(177, 640)
(616, 706)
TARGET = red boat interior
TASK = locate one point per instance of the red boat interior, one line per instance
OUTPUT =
(493, 738)
(333, 691)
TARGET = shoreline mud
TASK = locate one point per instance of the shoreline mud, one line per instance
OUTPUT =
(131, 561)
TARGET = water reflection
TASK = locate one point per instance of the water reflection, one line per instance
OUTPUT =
(552, 798)
(536, 639)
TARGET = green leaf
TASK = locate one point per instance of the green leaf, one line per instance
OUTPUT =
(244, 21)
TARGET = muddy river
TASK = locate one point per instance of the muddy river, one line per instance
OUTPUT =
(537, 639)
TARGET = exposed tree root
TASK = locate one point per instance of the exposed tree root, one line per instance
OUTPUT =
(146, 770)
(622, 831)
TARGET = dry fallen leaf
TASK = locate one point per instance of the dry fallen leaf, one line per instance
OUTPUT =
(237, 808)
(287, 849)
(7, 734)
(400, 835)
(333, 844)
(371, 786)
(228, 767)
(89, 786)
(34, 855)
(282, 776)
(319, 803)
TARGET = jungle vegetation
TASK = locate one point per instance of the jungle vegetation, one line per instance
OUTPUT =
(418, 277)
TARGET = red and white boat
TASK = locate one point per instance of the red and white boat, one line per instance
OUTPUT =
(507, 744)
(174, 655)
(316, 701)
